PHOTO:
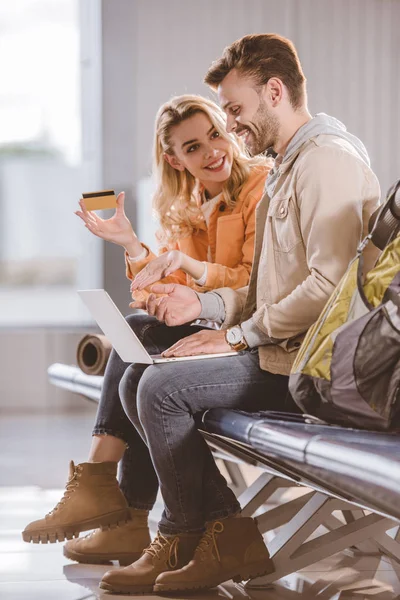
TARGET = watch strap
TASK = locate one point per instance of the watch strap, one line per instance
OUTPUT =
(239, 346)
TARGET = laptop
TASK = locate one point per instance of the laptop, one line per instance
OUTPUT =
(123, 339)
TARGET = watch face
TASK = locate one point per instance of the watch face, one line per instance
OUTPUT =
(234, 335)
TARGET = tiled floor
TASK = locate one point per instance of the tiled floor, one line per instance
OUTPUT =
(34, 455)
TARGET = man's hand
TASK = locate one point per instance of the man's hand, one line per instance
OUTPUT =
(207, 341)
(178, 305)
(157, 269)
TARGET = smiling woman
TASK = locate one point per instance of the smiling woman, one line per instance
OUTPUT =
(207, 190)
(200, 149)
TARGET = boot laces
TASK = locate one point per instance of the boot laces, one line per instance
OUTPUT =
(160, 544)
(70, 486)
(209, 539)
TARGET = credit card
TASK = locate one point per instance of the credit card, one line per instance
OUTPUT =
(100, 200)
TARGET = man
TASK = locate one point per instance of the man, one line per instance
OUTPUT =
(308, 225)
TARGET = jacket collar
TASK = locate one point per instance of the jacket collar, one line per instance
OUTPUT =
(198, 194)
(280, 167)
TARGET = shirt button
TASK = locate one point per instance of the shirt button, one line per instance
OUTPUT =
(282, 210)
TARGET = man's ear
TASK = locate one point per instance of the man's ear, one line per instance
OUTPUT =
(174, 162)
(274, 91)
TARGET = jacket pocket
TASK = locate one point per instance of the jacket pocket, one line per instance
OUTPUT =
(230, 240)
(285, 226)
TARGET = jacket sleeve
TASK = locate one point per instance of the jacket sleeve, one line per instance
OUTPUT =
(134, 267)
(218, 275)
(234, 303)
(331, 188)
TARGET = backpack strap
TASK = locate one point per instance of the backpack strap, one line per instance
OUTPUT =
(384, 223)
(383, 226)
(360, 282)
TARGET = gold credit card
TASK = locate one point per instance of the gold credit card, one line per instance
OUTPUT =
(100, 200)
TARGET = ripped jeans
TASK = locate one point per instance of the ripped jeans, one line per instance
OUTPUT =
(153, 409)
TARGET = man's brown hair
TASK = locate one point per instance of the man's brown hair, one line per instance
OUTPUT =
(262, 56)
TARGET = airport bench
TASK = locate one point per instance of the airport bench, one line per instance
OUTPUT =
(350, 480)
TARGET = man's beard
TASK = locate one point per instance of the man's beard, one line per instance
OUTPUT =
(263, 131)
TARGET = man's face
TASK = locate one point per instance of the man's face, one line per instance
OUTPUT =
(247, 113)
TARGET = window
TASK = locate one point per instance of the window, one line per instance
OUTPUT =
(49, 153)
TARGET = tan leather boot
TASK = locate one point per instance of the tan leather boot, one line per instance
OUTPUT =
(163, 554)
(92, 498)
(125, 543)
(232, 548)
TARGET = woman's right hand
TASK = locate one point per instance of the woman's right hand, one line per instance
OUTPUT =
(160, 267)
(116, 229)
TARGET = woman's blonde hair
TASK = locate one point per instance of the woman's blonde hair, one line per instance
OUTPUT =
(174, 202)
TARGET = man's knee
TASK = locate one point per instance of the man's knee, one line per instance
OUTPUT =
(153, 392)
(160, 396)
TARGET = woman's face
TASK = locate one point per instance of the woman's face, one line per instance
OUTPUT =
(200, 149)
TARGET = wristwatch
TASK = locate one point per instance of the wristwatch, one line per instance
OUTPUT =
(235, 338)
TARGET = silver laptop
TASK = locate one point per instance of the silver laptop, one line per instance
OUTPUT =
(123, 339)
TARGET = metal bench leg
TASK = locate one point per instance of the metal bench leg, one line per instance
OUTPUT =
(278, 516)
(238, 483)
(349, 516)
(397, 537)
(260, 492)
(389, 546)
(291, 549)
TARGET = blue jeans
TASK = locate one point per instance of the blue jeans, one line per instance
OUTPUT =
(154, 408)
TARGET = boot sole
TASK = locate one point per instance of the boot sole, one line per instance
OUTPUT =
(68, 532)
(126, 589)
(102, 559)
(248, 572)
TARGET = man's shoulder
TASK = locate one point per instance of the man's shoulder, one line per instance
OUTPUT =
(325, 155)
(334, 161)
(329, 147)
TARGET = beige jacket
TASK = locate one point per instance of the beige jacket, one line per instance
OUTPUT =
(306, 236)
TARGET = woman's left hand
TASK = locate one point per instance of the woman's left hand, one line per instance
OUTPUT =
(207, 341)
(157, 269)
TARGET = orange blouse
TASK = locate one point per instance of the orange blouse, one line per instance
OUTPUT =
(230, 237)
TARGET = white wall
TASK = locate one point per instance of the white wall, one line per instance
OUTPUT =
(349, 50)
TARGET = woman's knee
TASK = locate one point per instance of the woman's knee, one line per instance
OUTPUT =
(140, 322)
(128, 390)
(149, 393)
